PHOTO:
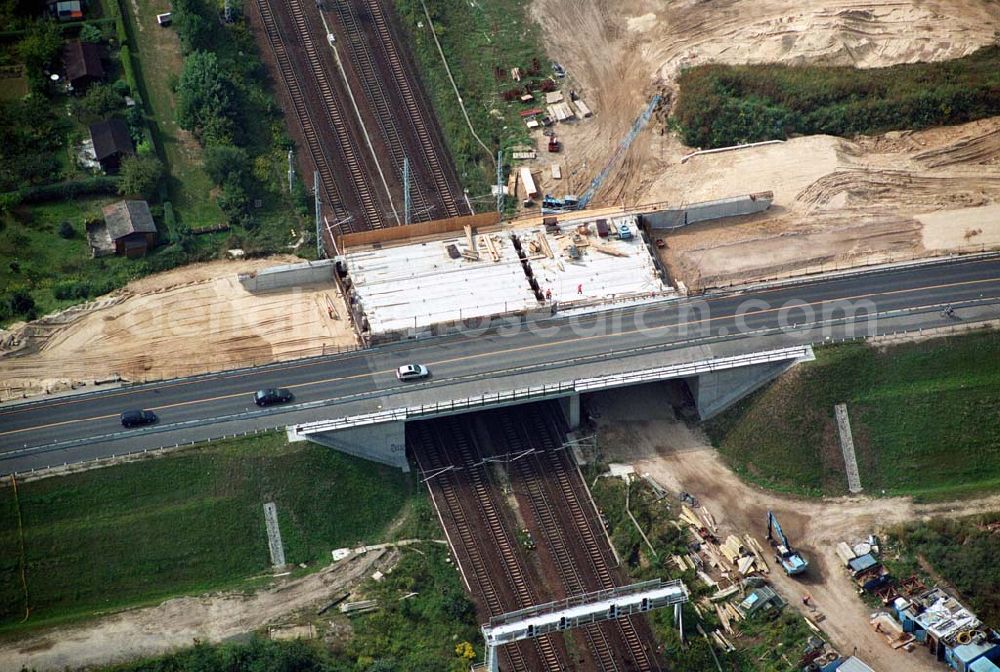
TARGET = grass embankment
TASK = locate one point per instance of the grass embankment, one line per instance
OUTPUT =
(188, 522)
(721, 105)
(963, 552)
(925, 418)
(761, 641)
(475, 38)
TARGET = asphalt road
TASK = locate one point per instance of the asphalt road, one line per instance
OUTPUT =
(859, 300)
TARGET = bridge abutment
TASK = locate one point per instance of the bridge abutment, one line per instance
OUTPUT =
(715, 391)
(384, 442)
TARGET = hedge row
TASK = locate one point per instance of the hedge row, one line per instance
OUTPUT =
(722, 105)
(62, 190)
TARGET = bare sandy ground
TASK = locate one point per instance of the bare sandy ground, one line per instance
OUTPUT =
(189, 320)
(836, 202)
(639, 428)
(181, 622)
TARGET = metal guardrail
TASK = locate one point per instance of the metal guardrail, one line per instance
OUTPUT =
(562, 388)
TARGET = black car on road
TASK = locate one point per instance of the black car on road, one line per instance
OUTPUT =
(272, 395)
(138, 418)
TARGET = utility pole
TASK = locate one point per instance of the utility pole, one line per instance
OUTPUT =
(500, 181)
(291, 172)
(406, 190)
(319, 216)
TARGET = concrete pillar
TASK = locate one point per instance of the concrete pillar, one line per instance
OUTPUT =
(384, 442)
(571, 410)
(716, 391)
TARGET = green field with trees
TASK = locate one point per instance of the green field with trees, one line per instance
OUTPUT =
(963, 552)
(925, 418)
(184, 523)
(475, 39)
(722, 105)
(225, 187)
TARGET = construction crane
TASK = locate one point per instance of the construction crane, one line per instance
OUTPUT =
(555, 205)
(790, 559)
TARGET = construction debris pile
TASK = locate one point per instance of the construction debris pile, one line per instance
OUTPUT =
(918, 615)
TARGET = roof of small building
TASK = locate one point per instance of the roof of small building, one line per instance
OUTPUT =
(82, 59)
(111, 137)
(860, 564)
(853, 664)
(127, 217)
(984, 665)
(944, 616)
(969, 652)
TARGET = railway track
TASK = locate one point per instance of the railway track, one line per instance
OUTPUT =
(364, 65)
(359, 178)
(555, 465)
(431, 457)
(413, 110)
(295, 94)
(556, 542)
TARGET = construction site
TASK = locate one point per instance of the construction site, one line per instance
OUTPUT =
(613, 211)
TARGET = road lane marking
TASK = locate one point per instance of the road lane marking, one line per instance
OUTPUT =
(524, 348)
(365, 353)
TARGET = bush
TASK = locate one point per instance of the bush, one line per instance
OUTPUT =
(727, 105)
(225, 163)
(71, 189)
(140, 175)
(90, 33)
(40, 48)
(20, 303)
(100, 101)
(66, 230)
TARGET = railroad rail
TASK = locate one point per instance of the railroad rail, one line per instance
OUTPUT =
(359, 178)
(555, 540)
(556, 466)
(414, 111)
(385, 116)
(452, 486)
(295, 94)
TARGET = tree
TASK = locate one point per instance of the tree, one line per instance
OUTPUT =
(90, 33)
(39, 48)
(100, 101)
(207, 99)
(225, 163)
(140, 175)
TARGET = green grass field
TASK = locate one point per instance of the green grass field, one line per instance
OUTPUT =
(36, 256)
(160, 60)
(192, 521)
(925, 419)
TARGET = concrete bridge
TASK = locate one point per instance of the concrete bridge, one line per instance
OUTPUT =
(715, 384)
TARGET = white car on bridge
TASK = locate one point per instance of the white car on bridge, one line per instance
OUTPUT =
(412, 372)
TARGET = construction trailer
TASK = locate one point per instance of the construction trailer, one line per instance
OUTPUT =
(790, 560)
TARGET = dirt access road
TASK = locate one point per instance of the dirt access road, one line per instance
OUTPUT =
(842, 202)
(190, 320)
(180, 622)
(638, 428)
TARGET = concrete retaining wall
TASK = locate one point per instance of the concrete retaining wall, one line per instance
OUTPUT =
(292, 275)
(675, 218)
(385, 443)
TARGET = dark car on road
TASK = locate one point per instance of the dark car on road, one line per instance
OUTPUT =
(138, 418)
(271, 396)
